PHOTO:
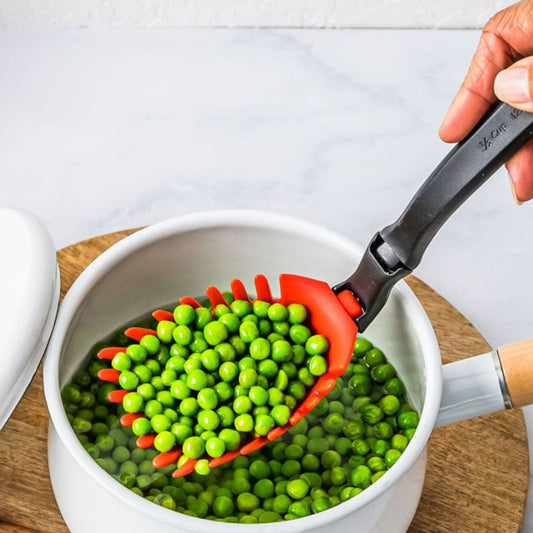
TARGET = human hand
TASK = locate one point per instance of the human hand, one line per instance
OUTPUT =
(502, 68)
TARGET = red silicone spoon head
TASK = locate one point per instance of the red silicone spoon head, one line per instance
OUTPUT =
(329, 314)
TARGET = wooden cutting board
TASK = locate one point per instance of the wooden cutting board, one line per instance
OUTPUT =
(477, 475)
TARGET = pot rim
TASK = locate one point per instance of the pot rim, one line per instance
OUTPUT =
(237, 218)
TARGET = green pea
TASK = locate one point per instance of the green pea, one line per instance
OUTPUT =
(179, 390)
(334, 423)
(241, 308)
(208, 419)
(207, 398)
(275, 396)
(244, 423)
(242, 404)
(361, 476)
(379, 447)
(374, 357)
(371, 414)
(260, 308)
(248, 331)
(215, 447)
(290, 468)
(318, 365)
(192, 364)
(321, 504)
(121, 362)
(281, 503)
(299, 355)
(384, 430)
(164, 441)
(224, 391)
(141, 426)
(151, 344)
(305, 377)
(330, 459)
(202, 317)
(231, 438)
(197, 379)
(297, 390)
(391, 456)
(265, 327)
(259, 348)
(247, 502)
(223, 506)
(408, 420)
(228, 371)
(193, 447)
(189, 406)
(264, 488)
(281, 351)
(181, 432)
(280, 414)
(399, 442)
(248, 377)
(361, 346)
(382, 373)
(267, 368)
(297, 488)
(317, 345)
(137, 353)
(282, 380)
(297, 313)
(263, 424)
(258, 395)
(133, 402)
(164, 331)
(215, 332)
(389, 404)
(281, 328)
(128, 380)
(360, 384)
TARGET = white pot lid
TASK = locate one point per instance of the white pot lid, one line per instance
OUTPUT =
(29, 296)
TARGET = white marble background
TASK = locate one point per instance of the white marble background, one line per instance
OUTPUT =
(104, 129)
(252, 13)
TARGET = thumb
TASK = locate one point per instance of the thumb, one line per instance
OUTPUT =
(514, 85)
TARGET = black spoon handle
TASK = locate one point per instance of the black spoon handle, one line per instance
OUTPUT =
(397, 249)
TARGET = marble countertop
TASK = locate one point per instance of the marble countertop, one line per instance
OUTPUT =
(105, 129)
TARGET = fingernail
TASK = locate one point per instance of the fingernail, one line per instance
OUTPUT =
(512, 85)
(517, 201)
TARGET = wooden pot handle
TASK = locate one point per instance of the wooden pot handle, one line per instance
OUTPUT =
(516, 360)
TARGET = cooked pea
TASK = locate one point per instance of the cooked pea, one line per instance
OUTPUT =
(408, 420)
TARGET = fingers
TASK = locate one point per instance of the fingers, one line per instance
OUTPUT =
(476, 94)
(520, 169)
(506, 38)
(514, 85)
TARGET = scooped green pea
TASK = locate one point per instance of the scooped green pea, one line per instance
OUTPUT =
(318, 365)
(128, 380)
(133, 402)
(193, 447)
(317, 345)
(151, 344)
(277, 312)
(121, 362)
(197, 379)
(215, 332)
(164, 331)
(164, 441)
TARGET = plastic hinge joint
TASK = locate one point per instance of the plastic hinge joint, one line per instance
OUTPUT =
(379, 270)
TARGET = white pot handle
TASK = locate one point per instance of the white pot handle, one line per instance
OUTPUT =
(487, 383)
